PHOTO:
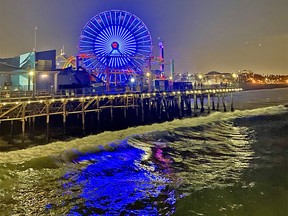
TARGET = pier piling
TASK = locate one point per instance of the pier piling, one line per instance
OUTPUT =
(208, 102)
(223, 101)
(232, 106)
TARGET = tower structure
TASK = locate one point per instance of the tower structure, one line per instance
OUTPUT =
(161, 55)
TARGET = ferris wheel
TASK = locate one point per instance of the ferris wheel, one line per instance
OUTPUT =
(115, 41)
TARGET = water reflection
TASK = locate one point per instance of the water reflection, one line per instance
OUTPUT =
(207, 156)
(226, 167)
(146, 174)
(118, 182)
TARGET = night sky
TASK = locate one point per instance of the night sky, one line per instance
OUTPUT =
(201, 35)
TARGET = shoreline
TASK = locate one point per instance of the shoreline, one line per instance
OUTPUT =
(251, 86)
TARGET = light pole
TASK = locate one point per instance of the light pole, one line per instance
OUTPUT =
(35, 37)
(149, 79)
(32, 73)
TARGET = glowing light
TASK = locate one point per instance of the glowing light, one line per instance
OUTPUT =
(128, 181)
(31, 73)
(116, 41)
(44, 76)
(132, 79)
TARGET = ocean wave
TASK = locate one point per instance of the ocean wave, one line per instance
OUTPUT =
(66, 150)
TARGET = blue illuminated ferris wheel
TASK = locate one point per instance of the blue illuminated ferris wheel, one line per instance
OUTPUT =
(117, 41)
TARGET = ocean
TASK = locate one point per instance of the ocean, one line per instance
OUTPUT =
(224, 163)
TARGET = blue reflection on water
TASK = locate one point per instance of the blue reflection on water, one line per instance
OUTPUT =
(114, 182)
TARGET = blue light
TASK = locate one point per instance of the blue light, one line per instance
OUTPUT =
(113, 182)
(115, 26)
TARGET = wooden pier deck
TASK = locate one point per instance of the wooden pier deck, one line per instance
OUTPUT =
(172, 104)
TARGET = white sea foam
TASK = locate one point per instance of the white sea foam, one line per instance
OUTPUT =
(96, 142)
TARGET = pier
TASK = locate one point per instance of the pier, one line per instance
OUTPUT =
(93, 112)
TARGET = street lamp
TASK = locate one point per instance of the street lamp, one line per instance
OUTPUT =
(132, 80)
(149, 79)
(33, 75)
(35, 37)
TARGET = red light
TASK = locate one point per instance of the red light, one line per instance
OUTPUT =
(115, 45)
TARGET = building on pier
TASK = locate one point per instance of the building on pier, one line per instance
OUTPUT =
(36, 72)
(23, 71)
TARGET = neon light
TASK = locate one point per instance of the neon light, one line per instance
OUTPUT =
(118, 34)
(112, 181)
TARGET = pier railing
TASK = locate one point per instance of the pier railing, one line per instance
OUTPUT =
(21, 106)
(11, 95)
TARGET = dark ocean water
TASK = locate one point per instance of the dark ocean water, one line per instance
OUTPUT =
(220, 164)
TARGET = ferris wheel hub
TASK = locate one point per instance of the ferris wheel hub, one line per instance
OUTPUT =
(115, 45)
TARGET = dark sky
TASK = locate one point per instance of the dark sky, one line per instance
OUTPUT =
(201, 35)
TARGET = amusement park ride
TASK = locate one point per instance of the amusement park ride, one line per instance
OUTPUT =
(115, 46)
